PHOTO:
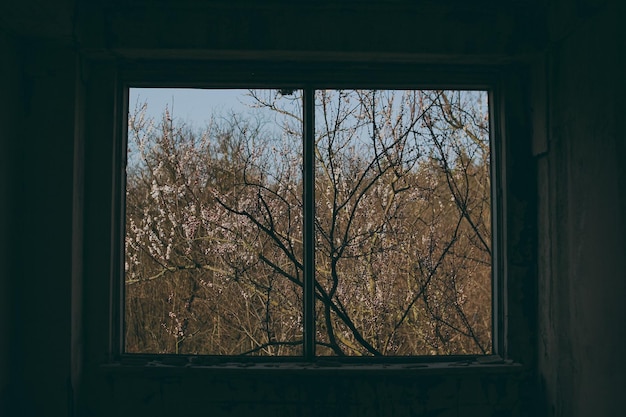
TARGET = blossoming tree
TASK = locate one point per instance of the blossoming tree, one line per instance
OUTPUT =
(214, 227)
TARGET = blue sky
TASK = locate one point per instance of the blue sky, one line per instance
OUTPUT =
(190, 105)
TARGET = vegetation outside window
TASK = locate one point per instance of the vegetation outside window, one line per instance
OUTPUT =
(309, 222)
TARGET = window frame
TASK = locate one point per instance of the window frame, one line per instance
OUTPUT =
(305, 76)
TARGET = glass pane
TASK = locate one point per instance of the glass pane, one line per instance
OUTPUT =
(403, 223)
(213, 245)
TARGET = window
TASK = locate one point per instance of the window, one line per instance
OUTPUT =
(306, 222)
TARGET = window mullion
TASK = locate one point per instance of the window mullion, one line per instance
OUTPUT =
(308, 156)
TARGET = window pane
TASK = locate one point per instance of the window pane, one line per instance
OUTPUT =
(403, 226)
(213, 247)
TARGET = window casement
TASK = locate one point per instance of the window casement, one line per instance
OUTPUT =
(323, 219)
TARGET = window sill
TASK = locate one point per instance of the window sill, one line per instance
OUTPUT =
(191, 365)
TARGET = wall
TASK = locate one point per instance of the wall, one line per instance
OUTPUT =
(9, 122)
(57, 336)
(314, 392)
(580, 210)
(582, 213)
(428, 30)
(38, 133)
(333, 33)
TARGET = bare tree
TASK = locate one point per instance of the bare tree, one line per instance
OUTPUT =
(403, 257)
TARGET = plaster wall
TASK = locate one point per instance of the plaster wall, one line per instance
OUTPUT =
(313, 393)
(9, 120)
(581, 208)
(37, 131)
(60, 287)
(327, 32)
(582, 191)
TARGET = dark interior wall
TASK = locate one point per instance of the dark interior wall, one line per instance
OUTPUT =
(242, 392)
(39, 122)
(429, 31)
(47, 230)
(9, 122)
(37, 76)
(335, 33)
(581, 197)
(582, 208)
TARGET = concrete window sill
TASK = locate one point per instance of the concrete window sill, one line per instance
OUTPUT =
(200, 365)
